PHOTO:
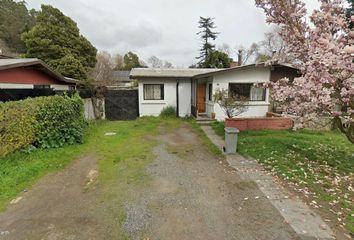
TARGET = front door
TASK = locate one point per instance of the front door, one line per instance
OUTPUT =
(201, 98)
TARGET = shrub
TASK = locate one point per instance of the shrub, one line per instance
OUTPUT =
(45, 122)
(168, 112)
(16, 126)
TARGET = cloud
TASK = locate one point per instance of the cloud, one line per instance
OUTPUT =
(166, 29)
(133, 36)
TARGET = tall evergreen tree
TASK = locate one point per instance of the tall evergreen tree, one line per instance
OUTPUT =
(56, 40)
(14, 20)
(207, 34)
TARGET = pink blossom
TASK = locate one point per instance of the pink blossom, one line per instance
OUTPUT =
(349, 49)
(324, 51)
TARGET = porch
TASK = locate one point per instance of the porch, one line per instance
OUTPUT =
(202, 99)
(203, 119)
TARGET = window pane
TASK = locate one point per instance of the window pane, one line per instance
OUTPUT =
(240, 89)
(210, 92)
(41, 86)
(257, 94)
(148, 92)
(153, 92)
(157, 91)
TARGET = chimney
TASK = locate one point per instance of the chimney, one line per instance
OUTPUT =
(240, 60)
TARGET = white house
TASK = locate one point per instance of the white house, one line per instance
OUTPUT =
(191, 91)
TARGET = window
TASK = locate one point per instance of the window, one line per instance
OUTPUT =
(41, 86)
(153, 92)
(71, 87)
(210, 92)
(258, 94)
(248, 91)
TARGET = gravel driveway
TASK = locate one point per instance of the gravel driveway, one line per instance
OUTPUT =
(193, 195)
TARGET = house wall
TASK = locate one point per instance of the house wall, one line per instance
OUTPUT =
(282, 72)
(21, 78)
(185, 91)
(60, 87)
(154, 107)
(15, 86)
(253, 75)
(26, 76)
(31, 86)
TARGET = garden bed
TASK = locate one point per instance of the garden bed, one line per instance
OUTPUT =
(272, 121)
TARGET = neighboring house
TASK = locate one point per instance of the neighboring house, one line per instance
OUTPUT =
(120, 79)
(191, 90)
(27, 73)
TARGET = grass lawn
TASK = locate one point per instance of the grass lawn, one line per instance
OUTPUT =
(318, 164)
(127, 150)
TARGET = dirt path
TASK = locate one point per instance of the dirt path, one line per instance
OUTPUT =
(191, 195)
(55, 207)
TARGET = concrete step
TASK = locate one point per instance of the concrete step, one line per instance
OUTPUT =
(205, 122)
(204, 119)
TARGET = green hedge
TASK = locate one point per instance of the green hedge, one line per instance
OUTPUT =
(44, 122)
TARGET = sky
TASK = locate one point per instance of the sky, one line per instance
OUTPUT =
(163, 28)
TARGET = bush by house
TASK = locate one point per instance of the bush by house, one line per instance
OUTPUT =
(44, 122)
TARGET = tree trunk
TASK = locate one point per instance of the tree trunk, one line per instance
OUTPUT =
(346, 128)
(98, 107)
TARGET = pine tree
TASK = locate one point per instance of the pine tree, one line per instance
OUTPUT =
(207, 35)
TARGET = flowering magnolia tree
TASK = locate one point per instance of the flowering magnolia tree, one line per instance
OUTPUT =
(324, 51)
(232, 105)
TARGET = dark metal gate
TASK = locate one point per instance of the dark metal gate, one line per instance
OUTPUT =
(121, 104)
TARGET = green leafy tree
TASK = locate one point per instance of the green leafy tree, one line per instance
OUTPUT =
(71, 66)
(56, 40)
(217, 59)
(207, 35)
(131, 60)
(14, 20)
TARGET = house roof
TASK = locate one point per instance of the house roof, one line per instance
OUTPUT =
(195, 72)
(3, 56)
(11, 63)
(168, 73)
(121, 76)
(257, 65)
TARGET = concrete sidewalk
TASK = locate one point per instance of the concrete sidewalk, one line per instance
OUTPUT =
(307, 224)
